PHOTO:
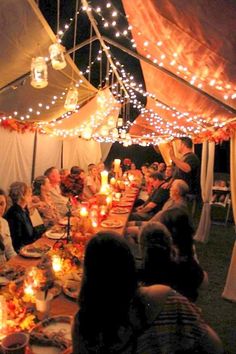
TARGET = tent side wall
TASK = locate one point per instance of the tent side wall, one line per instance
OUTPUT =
(16, 155)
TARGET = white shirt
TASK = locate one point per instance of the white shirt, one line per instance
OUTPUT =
(6, 239)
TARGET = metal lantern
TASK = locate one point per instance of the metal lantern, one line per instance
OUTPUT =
(87, 133)
(119, 122)
(58, 61)
(115, 133)
(39, 72)
(111, 121)
(71, 99)
(104, 130)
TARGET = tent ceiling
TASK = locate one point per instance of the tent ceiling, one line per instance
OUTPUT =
(26, 34)
(195, 41)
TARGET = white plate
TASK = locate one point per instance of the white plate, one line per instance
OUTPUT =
(55, 235)
(53, 327)
(111, 224)
(29, 252)
(72, 288)
(118, 210)
(124, 204)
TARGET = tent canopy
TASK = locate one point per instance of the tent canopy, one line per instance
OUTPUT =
(190, 45)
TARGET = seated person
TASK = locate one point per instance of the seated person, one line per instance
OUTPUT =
(58, 199)
(21, 228)
(117, 316)
(169, 173)
(155, 202)
(157, 255)
(42, 201)
(73, 184)
(135, 173)
(162, 168)
(219, 195)
(188, 276)
(6, 249)
(92, 182)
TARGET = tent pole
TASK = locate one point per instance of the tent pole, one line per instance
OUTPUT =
(34, 154)
(62, 150)
(169, 73)
(22, 78)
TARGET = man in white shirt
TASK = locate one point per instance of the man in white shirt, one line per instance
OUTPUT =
(60, 202)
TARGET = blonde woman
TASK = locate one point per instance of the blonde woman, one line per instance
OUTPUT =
(92, 182)
(6, 249)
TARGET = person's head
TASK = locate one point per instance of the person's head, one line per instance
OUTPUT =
(20, 193)
(64, 172)
(178, 189)
(92, 169)
(169, 171)
(156, 179)
(178, 223)
(161, 167)
(108, 285)
(75, 170)
(156, 249)
(3, 202)
(100, 167)
(144, 168)
(185, 144)
(133, 166)
(53, 175)
(41, 185)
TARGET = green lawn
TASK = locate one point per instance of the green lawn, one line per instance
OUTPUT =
(215, 258)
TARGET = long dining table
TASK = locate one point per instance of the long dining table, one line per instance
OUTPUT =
(61, 304)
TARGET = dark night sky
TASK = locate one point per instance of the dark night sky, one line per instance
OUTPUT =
(67, 9)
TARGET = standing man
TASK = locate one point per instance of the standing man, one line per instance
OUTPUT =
(187, 167)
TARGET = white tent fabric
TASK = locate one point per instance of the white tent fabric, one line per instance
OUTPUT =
(208, 155)
(16, 157)
(80, 152)
(48, 153)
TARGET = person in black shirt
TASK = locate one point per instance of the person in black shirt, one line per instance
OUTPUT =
(188, 166)
(21, 228)
(155, 201)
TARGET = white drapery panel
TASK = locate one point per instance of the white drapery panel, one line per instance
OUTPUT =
(105, 149)
(48, 153)
(16, 154)
(80, 152)
(230, 285)
(207, 166)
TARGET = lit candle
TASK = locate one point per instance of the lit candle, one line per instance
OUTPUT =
(3, 314)
(29, 290)
(131, 178)
(56, 263)
(117, 165)
(109, 201)
(103, 210)
(104, 178)
(83, 212)
(112, 181)
(117, 196)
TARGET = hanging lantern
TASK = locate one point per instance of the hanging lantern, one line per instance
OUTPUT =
(58, 61)
(101, 98)
(87, 133)
(71, 99)
(123, 134)
(111, 121)
(104, 130)
(119, 122)
(115, 133)
(39, 72)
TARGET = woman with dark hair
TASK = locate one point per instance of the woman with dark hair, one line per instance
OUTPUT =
(188, 275)
(42, 201)
(6, 248)
(116, 316)
(157, 254)
(22, 230)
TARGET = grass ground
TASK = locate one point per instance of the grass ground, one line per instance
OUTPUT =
(215, 258)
